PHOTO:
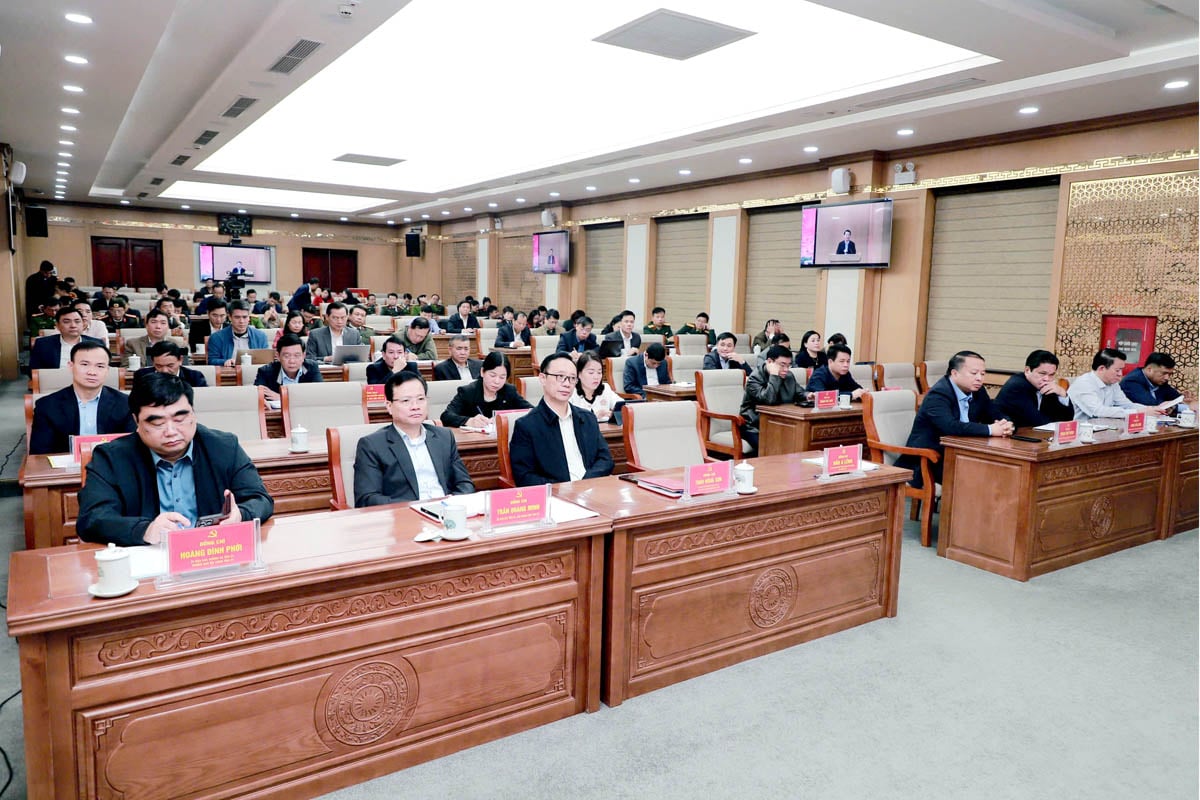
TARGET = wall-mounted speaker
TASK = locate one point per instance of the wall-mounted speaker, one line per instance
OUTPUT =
(412, 245)
(548, 218)
(839, 181)
(36, 223)
(17, 173)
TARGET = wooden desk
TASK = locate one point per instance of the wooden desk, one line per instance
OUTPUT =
(228, 376)
(670, 391)
(357, 653)
(695, 587)
(792, 429)
(1020, 509)
(520, 361)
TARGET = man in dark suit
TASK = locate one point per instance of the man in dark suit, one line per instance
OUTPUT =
(724, 357)
(956, 405)
(623, 340)
(290, 366)
(168, 475)
(1034, 397)
(771, 383)
(845, 246)
(1149, 385)
(834, 375)
(305, 295)
(459, 366)
(515, 333)
(557, 441)
(48, 351)
(218, 318)
(408, 460)
(463, 320)
(335, 331)
(85, 408)
(393, 359)
(40, 287)
(167, 357)
(638, 370)
(579, 339)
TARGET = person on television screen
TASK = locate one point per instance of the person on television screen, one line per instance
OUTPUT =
(550, 262)
(846, 246)
(237, 270)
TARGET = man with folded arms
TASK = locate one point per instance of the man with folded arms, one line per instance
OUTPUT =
(834, 376)
(223, 346)
(957, 405)
(85, 408)
(393, 360)
(556, 441)
(289, 367)
(1098, 393)
(647, 369)
(54, 351)
(724, 357)
(408, 460)
(1149, 385)
(459, 366)
(167, 357)
(168, 475)
(770, 384)
(1034, 397)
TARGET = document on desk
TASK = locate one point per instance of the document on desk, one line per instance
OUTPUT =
(63, 462)
(1049, 427)
(866, 466)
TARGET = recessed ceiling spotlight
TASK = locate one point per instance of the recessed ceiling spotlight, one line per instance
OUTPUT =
(68, 128)
(408, 219)
(59, 196)
(1027, 110)
(493, 205)
(520, 199)
(745, 160)
(391, 222)
(1175, 84)
(812, 148)
(124, 202)
(62, 172)
(590, 188)
(343, 219)
(79, 19)
(185, 206)
(424, 216)
(66, 143)
(75, 59)
(65, 155)
(294, 215)
(635, 180)
(445, 213)
(64, 163)
(555, 194)
(69, 110)
(685, 172)
(467, 209)
(241, 211)
(905, 132)
(72, 88)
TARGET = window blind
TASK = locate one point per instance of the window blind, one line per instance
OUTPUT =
(605, 273)
(681, 270)
(458, 271)
(776, 287)
(520, 286)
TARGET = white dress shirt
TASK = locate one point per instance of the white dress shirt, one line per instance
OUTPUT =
(427, 480)
(566, 428)
(464, 372)
(1095, 398)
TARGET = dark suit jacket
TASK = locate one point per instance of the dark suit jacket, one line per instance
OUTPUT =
(505, 336)
(712, 360)
(448, 371)
(803, 359)
(56, 419)
(120, 498)
(268, 374)
(300, 298)
(845, 248)
(765, 389)
(378, 372)
(192, 377)
(468, 400)
(1138, 388)
(383, 469)
(46, 349)
(938, 417)
(537, 453)
(614, 342)
(569, 342)
(635, 377)
(823, 380)
(454, 323)
(1021, 403)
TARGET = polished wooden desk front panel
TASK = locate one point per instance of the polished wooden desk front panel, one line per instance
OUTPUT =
(792, 429)
(520, 359)
(669, 392)
(1021, 509)
(694, 587)
(357, 653)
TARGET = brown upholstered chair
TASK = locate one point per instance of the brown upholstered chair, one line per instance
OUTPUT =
(343, 445)
(663, 435)
(504, 431)
(720, 393)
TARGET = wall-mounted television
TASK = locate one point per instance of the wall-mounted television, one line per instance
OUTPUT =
(552, 252)
(253, 264)
(853, 235)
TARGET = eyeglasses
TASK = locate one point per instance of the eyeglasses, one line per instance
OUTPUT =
(407, 402)
(569, 380)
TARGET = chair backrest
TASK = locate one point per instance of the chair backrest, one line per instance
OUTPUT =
(614, 373)
(131, 333)
(355, 371)
(209, 372)
(801, 374)
(318, 406)
(377, 343)
(380, 322)
(888, 418)
(505, 420)
(720, 391)
(863, 374)
(51, 380)
(234, 409)
(489, 323)
(663, 435)
(899, 374)
(684, 368)
(439, 394)
(930, 372)
(542, 346)
(691, 344)
(246, 375)
(650, 338)
(531, 389)
(343, 446)
(745, 343)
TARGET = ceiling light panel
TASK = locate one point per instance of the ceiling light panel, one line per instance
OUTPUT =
(288, 143)
(259, 196)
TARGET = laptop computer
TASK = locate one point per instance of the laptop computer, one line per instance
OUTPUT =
(346, 353)
(261, 355)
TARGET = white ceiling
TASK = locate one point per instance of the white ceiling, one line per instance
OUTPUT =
(482, 116)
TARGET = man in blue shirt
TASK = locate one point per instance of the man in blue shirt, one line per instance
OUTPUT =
(223, 346)
(1148, 385)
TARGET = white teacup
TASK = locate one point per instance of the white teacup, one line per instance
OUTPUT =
(843, 401)
(1187, 419)
(454, 520)
(113, 565)
(743, 477)
(299, 439)
(1087, 433)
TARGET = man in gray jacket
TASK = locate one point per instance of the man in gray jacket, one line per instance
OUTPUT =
(335, 331)
(770, 384)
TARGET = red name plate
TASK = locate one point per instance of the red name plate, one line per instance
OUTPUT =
(86, 444)
(1135, 423)
(196, 549)
(709, 478)
(517, 506)
(374, 393)
(840, 460)
(827, 400)
(1066, 432)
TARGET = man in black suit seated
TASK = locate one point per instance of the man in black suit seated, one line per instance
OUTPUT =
(515, 333)
(1149, 385)
(647, 369)
(623, 341)
(168, 475)
(52, 352)
(289, 367)
(771, 383)
(408, 460)
(459, 366)
(201, 329)
(167, 357)
(956, 405)
(845, 246)
(463, 320)
(557, 441)
(394, 359)
(835, 374)
(579, 339)
(723, 357)
(1034, 397)
(85, 408)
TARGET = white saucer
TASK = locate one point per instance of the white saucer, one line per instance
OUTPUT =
(294, 450)
(751, 490)
(94, 590)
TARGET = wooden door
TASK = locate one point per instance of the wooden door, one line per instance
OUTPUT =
(336, 269)
(315, 264)
(130, 262)
(145, 262)
(108, 260)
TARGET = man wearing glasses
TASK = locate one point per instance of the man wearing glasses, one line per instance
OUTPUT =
(408, 460)
(169, 475)
(557, 441)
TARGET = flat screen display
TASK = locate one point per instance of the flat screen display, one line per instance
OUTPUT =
(847, 235)
(552, 252)
(221, 262)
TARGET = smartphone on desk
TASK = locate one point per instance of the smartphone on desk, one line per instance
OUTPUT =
(215, 519)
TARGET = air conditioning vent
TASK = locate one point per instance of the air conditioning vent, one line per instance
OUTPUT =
(239, 105)
(294, 57)
(156, 181)
(205, 138)
(921, 94)
(671, 34)
(371, 161)
(720, 137)
(143, 194)
(179, 161)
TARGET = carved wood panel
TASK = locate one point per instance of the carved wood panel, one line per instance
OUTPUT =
(1079, 521)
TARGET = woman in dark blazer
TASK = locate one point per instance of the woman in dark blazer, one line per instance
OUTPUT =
(476, 403)
(811, 353)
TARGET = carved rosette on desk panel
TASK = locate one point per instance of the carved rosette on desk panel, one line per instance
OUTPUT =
(367, 702)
